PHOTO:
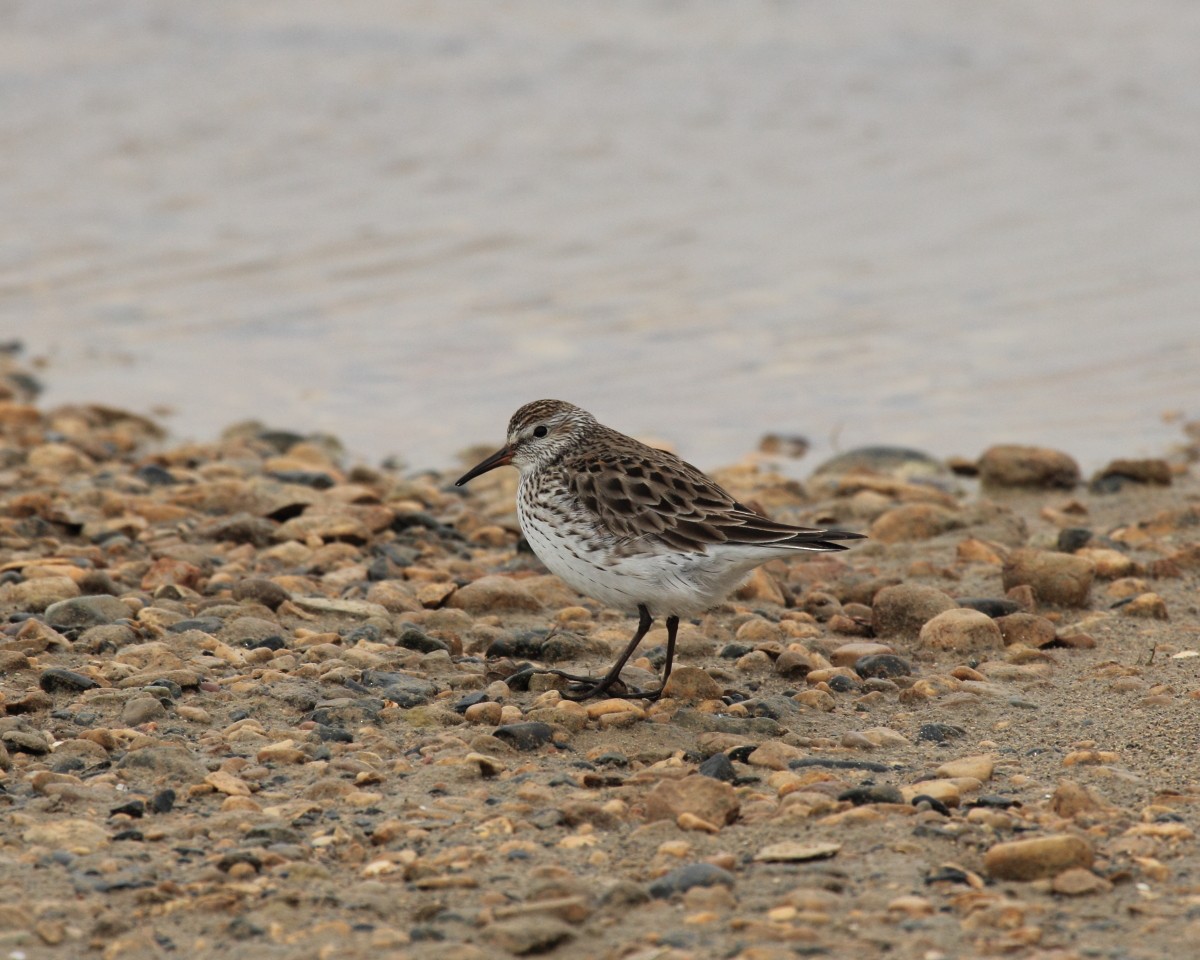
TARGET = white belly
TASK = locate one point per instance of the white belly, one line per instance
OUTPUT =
(668, 583)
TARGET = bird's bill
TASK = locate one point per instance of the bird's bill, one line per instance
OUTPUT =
(497, 459)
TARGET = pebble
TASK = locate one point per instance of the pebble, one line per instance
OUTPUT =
(142, 710)
(1058, 579)
(525, 736)
(882, 666)
(1027, 629)
(713, 801)
(901, 610)
(687, 877)
(1037, 857)
(1149, 606)
(961, 630)
(494, 595)
(57, 680)
(914, 521)
(876, 793)
(719, 767)
(691, 684)
(79, 613)
(1119, 473)
(1013, 465)
(849, 654)
(792, 851)
(528, 935)
(994, 607)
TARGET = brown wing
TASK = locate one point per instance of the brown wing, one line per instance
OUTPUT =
(657, 499)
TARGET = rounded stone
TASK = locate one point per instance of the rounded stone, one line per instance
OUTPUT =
(902, 610)
(79, 613)
(914, 521)
(1037, 857)
(961, 630)
(260, 590)
(1147, 605)
(1055, 578)
(1014, 465)
(494, 594)
(1027, 629)
(713, 801)
(142, 710)
(691, 683)
(41, 592)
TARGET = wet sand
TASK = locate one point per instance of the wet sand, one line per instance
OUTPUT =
(259, 701)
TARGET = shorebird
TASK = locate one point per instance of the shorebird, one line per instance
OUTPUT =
(633, 526)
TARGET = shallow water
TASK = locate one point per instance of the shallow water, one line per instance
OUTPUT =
(930, 223)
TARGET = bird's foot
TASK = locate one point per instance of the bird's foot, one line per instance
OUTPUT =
(584, 688)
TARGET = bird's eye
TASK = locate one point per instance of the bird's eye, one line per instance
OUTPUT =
(540, 431)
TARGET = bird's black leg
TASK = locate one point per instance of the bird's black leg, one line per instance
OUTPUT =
(614, 674)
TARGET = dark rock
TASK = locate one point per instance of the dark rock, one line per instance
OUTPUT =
(992, 606)
(833, 763)
(79, 613)
(693, 875)
(994, 801)
(524, 646)
(718, 767)
(472, 698)
(163, 801)
(840, 683)
(933, 803)
(413, 637)
(1071, 539)
(940, 732)
(266, 643)
(872, 793)
(882, 665)
(131, 808)
(56, 679)
(525, 736)
(164, 687)
(734, 651)
(155, 476)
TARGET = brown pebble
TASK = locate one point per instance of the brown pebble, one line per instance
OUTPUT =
(713, 801)
(1026, 628)
(1013, 465)
(1037, 857)
(1055, 578)
(961, 630)
(691, 684)
(901, 610)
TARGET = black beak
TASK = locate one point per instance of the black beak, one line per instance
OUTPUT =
(497, 459)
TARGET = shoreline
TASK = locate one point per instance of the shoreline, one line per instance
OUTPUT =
(251, 694)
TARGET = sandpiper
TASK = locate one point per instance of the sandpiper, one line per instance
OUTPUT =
(632, 526)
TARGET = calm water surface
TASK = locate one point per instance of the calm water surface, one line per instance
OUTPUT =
(930, 223)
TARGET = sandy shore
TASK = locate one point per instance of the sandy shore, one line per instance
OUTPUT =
(257, 701)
